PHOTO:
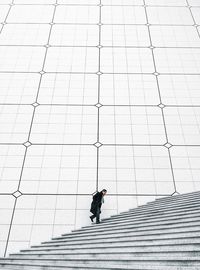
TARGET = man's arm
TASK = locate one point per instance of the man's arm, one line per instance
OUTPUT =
(95, 197)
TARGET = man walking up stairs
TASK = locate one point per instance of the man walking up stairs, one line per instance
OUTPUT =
(97, 201)
(161, 235)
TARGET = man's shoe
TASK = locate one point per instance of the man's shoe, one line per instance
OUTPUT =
(98, 222)
(91, 219)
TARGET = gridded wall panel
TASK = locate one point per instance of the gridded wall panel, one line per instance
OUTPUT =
(94, 94)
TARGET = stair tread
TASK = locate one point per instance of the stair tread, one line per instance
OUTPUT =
(113, 267)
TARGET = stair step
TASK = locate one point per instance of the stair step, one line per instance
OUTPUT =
(161, 235)
(169, 204)
(127, 260)
(175, 201)
(153, 211)
(22, 266)
(128, 257)
(143, 240)
(184, 251)
(132, 228)
(151, 214)
(148, 209)
(135, 220)
(179, 196)
(153, 234)
(115, 248)
(149, 206)
(153, 243)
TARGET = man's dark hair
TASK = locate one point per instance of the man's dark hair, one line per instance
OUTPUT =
(104, 190)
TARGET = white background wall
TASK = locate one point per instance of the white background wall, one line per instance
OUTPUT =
(94, 94)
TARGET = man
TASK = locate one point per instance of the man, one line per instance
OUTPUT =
(95, 209)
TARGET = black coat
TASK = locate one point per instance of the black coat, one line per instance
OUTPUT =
(96, 202)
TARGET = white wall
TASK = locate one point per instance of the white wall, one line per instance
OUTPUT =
(94, 94)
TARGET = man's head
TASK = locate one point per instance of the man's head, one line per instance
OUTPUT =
(104, 191)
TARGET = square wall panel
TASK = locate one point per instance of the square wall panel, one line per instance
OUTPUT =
(31, 14)
(180, 60)
(77, 14)
(180, 89)
(189, 186)
(18, 88)
(78, 2)
(80, 89)
(135, 170)
(38, 218)
(6, 210)
(124, 35)
(123, 15)
(25, 34)
(169, 15)
(64, 125)
(58, 169)
(183, 125)
(3, 2)
(194, 3)
(126, 60)
(196, 14)
(34, 2)
(185, 162)
(21, 59)
(174, 36)
(129, 89)
(3, 12)
(166, 2)
(72, 59)
(115, 203)
(15, 121)
(74, 35)
(11, 161)
(131, 125)
(122, 2)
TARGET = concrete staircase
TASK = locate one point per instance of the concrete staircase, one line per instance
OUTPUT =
(161, 235)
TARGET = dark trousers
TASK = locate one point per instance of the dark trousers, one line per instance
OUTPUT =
(96, 215)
